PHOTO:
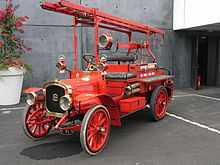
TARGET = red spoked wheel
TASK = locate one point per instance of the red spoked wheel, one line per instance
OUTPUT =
(36, 123)
(159, 103)
(95, 130)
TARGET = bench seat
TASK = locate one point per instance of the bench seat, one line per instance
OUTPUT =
(120, 75)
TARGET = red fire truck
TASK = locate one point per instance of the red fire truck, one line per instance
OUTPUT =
(90, 101)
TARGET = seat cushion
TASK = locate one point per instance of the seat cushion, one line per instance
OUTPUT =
(120, 75)
(121, 58)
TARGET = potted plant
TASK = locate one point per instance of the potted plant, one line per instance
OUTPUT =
(12, 67)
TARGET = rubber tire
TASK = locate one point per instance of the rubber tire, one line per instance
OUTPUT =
(26, 129)
(153, 102)
(83, 130)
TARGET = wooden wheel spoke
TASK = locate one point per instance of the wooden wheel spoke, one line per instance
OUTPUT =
(90, 136)
(33, 118)
(93, 142)
(96, 120)
(31, 125)
(90, 142)
(102, 121)
(100, 117)
(39, 130)
(43, 127)
(31, 122)
(92, 125)
(34, 129)
(34, 114)
(102, 137)
(102, 133)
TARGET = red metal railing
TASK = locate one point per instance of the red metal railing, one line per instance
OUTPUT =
(90, 16)
(99, 19)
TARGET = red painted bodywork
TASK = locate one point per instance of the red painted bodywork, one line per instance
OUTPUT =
(29, 90)
(90, 88)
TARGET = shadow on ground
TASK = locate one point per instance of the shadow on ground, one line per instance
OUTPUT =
(53, 150)
(69, 146)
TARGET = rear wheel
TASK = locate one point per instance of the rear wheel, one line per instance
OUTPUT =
(158, 103)
(95, 130)
(36, 124)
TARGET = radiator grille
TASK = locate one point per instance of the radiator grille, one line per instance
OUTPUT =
(53, 95)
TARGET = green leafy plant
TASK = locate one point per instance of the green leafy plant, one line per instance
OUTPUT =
(11, 46)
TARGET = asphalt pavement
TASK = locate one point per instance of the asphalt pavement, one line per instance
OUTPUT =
(189, 135)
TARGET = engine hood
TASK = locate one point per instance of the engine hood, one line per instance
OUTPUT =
(77, 83)
(80, 86)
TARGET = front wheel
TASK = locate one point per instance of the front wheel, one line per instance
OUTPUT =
(158, 103)
(95, 130)
(36, 123)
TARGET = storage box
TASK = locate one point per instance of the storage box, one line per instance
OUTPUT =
(132, 104)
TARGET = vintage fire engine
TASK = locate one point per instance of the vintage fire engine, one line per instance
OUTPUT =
(111, 87)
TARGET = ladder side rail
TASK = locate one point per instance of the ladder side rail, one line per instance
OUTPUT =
(123, 26)
(135, 25)
(77, 10)
(107, 16)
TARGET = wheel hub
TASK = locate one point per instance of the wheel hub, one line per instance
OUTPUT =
(101, 129)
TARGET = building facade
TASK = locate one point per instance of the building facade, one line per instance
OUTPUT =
(50, 35)
(199, 20)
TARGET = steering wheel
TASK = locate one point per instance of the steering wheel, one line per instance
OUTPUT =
(89, 59)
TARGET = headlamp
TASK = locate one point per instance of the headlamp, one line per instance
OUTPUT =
(31, 98)
(65, 102)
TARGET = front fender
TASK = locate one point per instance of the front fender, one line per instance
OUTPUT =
(32, 90)
(107, 100)
(37, 92)
(83, 102)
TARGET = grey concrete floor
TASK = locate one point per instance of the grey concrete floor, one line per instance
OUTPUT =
(172, 141)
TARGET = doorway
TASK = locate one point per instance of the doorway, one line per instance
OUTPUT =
(204, 60)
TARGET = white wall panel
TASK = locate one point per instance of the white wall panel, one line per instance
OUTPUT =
(193, 13)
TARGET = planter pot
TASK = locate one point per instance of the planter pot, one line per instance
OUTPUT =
(11, 81)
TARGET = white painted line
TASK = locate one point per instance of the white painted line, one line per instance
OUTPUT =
(6, 112)
(186, 95)
(194, 123)
(11, 109)
(202, 96)
(208, 97)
